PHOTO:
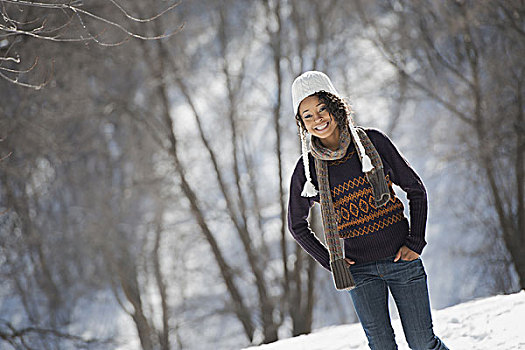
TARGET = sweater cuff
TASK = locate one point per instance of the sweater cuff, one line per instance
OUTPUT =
(415, 244)
(418, 221)
(325, 264)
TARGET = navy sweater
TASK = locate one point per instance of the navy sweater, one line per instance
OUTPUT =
(369, 233)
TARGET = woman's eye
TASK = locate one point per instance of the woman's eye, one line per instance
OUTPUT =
(307, 116)
(322, 109)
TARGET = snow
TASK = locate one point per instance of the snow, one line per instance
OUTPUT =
(490, 323)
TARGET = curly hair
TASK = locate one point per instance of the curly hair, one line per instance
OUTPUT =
(336, 106)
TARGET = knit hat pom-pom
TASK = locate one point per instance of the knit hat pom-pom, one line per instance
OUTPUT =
(309, 190)
(367, 164)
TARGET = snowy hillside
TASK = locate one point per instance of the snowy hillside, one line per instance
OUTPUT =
(495, 323)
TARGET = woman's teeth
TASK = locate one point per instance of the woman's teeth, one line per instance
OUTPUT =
(321, 127)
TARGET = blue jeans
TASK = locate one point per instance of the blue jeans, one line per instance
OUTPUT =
(407, 282)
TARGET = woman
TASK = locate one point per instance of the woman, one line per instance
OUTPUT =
(350, 171)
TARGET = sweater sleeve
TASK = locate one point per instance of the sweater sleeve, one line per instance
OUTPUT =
(298, 212)
(405, 177)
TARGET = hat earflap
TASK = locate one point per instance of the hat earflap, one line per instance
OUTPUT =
(309, 188)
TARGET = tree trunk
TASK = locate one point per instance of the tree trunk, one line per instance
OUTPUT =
(240, 310)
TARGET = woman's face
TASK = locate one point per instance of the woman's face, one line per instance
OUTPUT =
(317, 120)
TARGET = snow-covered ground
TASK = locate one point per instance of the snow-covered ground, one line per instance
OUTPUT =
(495, 323)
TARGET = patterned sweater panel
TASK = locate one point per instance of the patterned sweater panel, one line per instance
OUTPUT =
(354, 203)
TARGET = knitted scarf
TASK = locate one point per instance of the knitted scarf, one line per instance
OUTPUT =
(375, 177)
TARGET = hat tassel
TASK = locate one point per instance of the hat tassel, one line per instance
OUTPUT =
(367, 164)
(309, 189)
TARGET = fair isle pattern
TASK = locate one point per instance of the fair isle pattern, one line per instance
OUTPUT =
(351, 196)
(376, 226)
(345, 215)
(348, 185)
(357, 213)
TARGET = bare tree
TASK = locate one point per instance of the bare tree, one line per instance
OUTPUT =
(73, 192)
(62, 22)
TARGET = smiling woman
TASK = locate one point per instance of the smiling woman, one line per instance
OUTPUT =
(354, 169)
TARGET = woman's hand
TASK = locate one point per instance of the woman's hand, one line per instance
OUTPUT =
(350, 262)
(407, 254)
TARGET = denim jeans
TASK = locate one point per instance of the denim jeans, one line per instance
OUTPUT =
(407, 282)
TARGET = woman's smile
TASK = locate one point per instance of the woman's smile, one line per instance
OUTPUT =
(322, 127)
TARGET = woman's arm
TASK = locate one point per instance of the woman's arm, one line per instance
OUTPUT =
(298, 211)
(405, 177)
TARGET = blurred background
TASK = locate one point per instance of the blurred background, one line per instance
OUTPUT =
(146, 151)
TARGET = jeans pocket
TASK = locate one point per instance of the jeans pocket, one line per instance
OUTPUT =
(415, 270)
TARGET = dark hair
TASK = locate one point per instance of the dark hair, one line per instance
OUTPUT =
(336, 106)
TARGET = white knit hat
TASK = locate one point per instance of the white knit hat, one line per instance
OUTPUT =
(309, 83)
(303, 86)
